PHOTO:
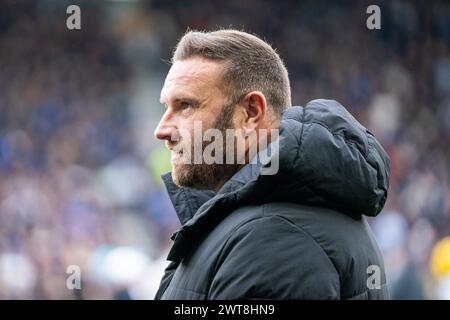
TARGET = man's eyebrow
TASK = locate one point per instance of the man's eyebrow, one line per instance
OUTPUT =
(187, 98)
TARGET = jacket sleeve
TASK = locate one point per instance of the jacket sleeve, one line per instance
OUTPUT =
(271, 258)
(165, 281)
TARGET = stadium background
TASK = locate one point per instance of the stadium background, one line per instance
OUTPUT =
(79, 167)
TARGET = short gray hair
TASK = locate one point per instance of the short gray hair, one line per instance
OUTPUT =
(251, 64)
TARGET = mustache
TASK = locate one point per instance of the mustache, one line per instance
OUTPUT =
(174, 146)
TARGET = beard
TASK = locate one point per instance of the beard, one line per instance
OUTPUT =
(207, 176)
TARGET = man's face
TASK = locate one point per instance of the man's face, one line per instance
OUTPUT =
(192, 94)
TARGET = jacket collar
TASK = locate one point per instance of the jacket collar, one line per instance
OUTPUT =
(200, 210)
(186, 201)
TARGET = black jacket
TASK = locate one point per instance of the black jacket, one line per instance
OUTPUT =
(298, 234)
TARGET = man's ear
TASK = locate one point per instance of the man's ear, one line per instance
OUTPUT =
(255, 109)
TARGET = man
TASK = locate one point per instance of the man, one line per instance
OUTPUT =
(297, 233)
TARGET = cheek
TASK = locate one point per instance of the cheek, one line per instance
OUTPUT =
(238, 118)
(206, 116)
(185, 129)
(196, 124)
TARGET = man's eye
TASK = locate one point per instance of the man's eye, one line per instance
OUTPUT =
(185, 104)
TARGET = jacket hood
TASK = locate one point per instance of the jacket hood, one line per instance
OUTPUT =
(326, 159)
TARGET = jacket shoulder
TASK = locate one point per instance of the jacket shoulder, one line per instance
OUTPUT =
(344, 243)
(267, 257)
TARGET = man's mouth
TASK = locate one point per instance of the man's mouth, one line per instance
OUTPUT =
(177, 155)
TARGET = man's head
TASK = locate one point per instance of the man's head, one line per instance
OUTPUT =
(224, 79)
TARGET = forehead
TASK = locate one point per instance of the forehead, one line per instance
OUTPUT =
(192, 76)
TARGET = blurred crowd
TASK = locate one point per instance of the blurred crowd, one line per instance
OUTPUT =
(79, 167)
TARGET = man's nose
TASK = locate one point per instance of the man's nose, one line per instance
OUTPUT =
(166, 129)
